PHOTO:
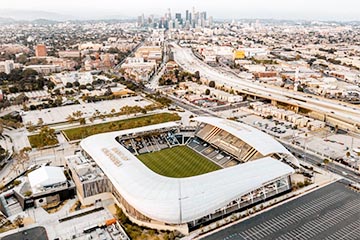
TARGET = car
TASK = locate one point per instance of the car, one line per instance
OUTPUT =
(344, 173)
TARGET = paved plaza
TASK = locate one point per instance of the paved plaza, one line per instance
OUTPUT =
(59, 114)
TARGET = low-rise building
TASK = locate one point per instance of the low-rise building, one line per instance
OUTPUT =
(149, 53)
(45, 69)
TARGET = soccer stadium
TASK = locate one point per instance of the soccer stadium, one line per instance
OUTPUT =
(169, 176)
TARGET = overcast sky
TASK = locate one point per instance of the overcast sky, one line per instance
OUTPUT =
(277, 9)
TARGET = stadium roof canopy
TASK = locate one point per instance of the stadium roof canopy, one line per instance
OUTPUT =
(176, 200)
(262, 142)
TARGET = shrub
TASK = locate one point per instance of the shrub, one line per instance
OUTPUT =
(16, 182)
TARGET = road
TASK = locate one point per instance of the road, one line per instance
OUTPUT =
(347, 113)
(117, 67)
(191, 107)
(332, 167)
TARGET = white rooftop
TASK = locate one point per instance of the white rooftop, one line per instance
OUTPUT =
(259, 140)
(46, 176)
(176, 200)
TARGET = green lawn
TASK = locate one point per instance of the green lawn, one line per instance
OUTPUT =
(36, 141)
(178, 162)
(83, 132)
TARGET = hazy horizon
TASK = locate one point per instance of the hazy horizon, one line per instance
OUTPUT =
(346, 10)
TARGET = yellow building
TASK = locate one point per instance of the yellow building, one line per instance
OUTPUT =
(239, 54)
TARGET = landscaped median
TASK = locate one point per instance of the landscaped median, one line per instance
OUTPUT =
(74, 134)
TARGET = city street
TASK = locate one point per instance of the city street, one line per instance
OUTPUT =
(315, 160)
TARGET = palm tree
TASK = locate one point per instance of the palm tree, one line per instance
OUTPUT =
(113, 112)
(82, 121)
(40, 122)
(78, 114)
(22, 157)
(70, 119)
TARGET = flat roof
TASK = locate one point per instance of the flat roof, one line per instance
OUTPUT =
(46, 176)
(176, 200)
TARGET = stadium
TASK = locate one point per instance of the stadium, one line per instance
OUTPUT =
(169, 176)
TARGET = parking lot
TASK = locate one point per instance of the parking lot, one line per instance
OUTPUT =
(273, 127)
(330, 213)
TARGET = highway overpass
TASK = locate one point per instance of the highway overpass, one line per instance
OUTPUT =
(345, 116)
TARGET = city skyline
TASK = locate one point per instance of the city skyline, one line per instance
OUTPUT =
(279, 9)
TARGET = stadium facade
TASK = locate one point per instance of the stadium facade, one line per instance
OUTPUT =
(255, 167)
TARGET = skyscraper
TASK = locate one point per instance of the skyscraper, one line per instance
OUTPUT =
(178, 18)
(169, 14)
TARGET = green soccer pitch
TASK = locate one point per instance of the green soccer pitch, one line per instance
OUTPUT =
(178, 162)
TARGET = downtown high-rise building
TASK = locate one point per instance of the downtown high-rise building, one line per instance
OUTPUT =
(191, 19)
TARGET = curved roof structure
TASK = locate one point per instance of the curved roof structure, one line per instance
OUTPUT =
(176, 200)
(259, 140)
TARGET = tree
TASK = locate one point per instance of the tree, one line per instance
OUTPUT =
(47, 137)
(40, 122)
(212, 84)
(78, 114)
(82, 121)
(30, 126)
(70, 119)
(197, 75)
(69, 85)
(50, 85)
(120, 215)
(207, 91)
(28, 73)
(27, 193)
(19, 221)
(22, 157)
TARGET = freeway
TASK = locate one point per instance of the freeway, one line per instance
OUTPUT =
(346, 113)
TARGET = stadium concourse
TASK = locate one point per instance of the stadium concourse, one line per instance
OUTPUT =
(250, 167)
